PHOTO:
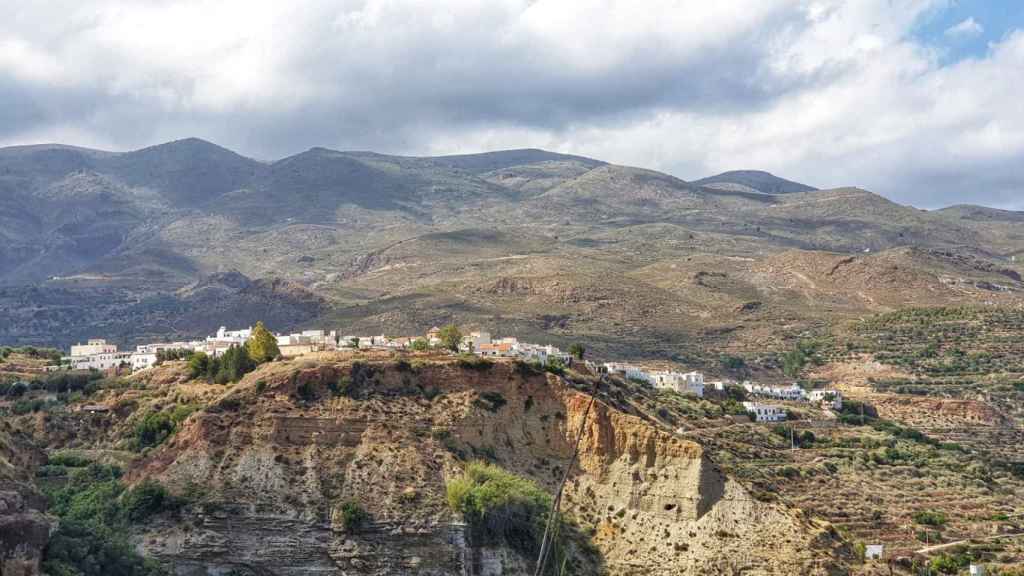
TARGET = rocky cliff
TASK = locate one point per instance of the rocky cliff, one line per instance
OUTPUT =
(24, 528)
(274, 462)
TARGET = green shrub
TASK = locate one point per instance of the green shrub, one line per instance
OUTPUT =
(153, 429)
(500, 507)
(68, 460)
(555, 366)
(930, 518)
(147, 499)
(92, 538)
(353, 516)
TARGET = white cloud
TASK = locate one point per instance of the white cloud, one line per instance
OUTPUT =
(827, 91)
(967, 28)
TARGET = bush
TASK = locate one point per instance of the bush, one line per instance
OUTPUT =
(555, 366)
(500, 507)
(147, 499)
(68, 461)
(732, 363)
(353, 516)
(578, 351)
(471, 362)
(930, 518)
(154, 428)
(92, 538)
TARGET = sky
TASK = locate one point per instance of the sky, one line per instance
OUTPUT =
(919, 100)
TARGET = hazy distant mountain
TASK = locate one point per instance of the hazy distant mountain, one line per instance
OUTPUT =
(397, 242)
(753, 181)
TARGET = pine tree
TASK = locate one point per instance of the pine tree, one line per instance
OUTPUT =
(262, 345)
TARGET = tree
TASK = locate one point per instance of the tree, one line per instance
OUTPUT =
(420, 345)
(451, 337)
(577, 350)
(234, 364)
(262, 345)
(199, 365)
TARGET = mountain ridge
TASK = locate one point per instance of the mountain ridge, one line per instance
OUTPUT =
(370, 233)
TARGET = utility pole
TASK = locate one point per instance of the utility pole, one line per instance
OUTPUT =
(792, 442)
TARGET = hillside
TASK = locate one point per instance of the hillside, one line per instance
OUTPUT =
(276, 460)
(398, 244)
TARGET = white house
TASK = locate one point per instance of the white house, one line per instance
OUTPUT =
(541, 354)
(977, 570)
(791, 392)
(689, 383)
(143, 360)
(765, 412)
(104, 361)
(874, 551)
(235, 337)
(628, 370)
(195, 345)
(92, 347)
(314, 340)
(832, 398)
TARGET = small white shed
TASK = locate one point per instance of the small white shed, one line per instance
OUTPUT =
(874, 551)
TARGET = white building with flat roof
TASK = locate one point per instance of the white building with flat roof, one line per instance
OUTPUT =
(691, 383)
(791, 392)
(93, 346)
(629, 371)
(142, 360)
(830, 398)
(765, 412)
(103, 361)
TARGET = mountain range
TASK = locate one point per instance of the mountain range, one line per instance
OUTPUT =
(556, 246)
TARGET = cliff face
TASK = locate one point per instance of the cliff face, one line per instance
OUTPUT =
(277, 458)
(24, 528)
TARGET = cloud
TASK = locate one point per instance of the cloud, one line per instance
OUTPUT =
(968, 28)
(826, 91)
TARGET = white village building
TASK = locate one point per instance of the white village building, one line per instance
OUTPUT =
(688, 383)
(791, 392)
(142, 360)
(194, 345)
(92, 347)
(542, 354)
(831, 398)
(629, 371)
(765, 412)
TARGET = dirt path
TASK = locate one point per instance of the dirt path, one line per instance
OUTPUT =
(938, 547)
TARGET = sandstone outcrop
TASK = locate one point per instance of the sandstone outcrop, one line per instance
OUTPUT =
(279, 457)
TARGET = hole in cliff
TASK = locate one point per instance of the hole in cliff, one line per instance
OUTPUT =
(670, 507)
